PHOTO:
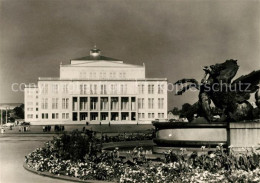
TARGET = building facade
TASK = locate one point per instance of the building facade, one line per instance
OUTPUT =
(97, 89)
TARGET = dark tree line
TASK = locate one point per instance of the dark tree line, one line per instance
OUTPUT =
(19, 111)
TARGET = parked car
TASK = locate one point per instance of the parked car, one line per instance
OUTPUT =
(24, 124)
(9, 125)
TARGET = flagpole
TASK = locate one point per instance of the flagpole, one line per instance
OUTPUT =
(6, 116)
(1, 117)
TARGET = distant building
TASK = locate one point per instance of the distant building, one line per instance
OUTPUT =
(97, 89)
(173, 116)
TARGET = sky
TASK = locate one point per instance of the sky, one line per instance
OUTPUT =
(173, 38)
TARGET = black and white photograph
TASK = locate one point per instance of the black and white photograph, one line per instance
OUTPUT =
(130, 91)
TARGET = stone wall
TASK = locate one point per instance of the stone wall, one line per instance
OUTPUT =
(244, 135)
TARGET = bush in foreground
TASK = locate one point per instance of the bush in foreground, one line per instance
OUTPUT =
(76, 155)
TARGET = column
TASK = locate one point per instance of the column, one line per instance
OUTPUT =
(109, 108)
(88, 105)
(119, 110)
(99, 108)
(78, 108)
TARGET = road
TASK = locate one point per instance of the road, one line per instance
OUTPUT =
(13, 148)
(14, 145)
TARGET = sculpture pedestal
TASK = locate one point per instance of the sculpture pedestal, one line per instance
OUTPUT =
(241, 136)
(245, 135)
(191, 136)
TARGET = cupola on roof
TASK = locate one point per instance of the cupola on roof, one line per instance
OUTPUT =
(95, 54)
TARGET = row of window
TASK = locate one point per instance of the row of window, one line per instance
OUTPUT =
(54, 88)
(104, 89)
(141, 103)
(46, 116)
(65, 103)
(150, 115)
(160, 88)
(55, 102)
(103, 117)
(92, 89)
(102, 75)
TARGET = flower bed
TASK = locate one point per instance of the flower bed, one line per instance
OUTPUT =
(78, 155)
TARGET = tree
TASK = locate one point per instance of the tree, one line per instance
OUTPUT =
(175, 111)
(185, 110)
(19, 111)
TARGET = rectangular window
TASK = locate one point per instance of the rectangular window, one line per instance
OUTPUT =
(123, 88)
(114, 103)
(150, 115)
(83, 89)
(55, 115)
(65, 103)
(141, 88)
(44, 115)
(160, 88)
(29, 103)
(160, 115)
(103, 89)
(150, 103)
(44, 103)
(102, 75)
(150, 89)
(93, 103)
(160, 103)
(141, 115)
(55, 88)
(91, 89)
(65, 89)
(113, 89)
(55, 103)
(44, 88)
(140, 103)
(95, 89)
(29, 116)
(83, 103)
(104, 103)
(65, 115)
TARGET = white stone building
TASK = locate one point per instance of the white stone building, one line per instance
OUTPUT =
(97, 89)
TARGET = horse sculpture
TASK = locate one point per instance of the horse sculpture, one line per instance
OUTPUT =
(229, 97)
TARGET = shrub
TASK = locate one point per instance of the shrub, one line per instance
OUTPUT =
(77, 155)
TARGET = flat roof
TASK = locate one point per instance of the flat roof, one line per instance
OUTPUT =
(59, 79)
